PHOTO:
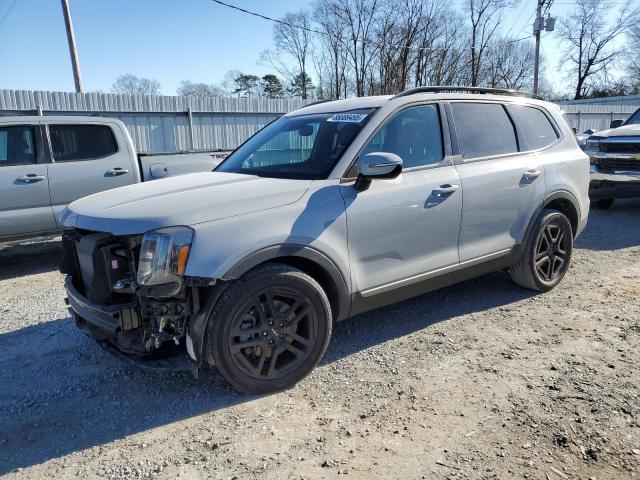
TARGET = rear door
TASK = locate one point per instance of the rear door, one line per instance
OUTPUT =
(502, 181)
(86, 159)
(25, 207)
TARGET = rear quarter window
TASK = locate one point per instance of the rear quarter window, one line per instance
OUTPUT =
(72, 143)
(483, 130)
(535, 125)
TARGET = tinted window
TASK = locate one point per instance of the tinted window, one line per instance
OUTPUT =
(484, 129)
(81, 142)
(414, 134)
(302, 147)
(634, 119)
(536, 126)
(16, 146)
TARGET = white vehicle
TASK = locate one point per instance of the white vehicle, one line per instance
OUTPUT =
(47, 162)
(329, 211)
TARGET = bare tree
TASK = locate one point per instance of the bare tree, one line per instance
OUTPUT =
(590, 40)
(632, 59)
(484, 17)
(187, 88)
(332, 41)
(132, 85)
(510, 65)
(293, 37)
(358, 19)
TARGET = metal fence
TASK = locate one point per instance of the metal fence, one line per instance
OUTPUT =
(166, 124)
(584, 116)
(160, 123)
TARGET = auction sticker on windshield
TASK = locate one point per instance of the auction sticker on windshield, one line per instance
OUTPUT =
(347, 117)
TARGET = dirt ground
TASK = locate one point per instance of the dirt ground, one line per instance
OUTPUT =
(482, 380)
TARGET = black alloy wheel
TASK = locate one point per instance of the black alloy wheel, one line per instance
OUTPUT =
(272, 333)
(552, 252)
(268, 329)
(547, 252)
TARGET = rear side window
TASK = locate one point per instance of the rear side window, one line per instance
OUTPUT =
(16, 146)
(72, 143)
(414, 134)
(535, 125)
(484, 129)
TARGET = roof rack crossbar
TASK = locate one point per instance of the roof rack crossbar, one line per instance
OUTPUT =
(482, 90)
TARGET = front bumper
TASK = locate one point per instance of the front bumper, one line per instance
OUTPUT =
(613, 184)
(104, 323)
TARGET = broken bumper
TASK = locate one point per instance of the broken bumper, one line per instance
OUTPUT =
(103, 324)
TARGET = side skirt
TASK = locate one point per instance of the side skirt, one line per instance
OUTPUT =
(361, 304)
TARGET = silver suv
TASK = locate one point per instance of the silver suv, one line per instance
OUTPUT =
(330, 211)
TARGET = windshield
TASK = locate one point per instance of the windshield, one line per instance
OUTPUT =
(634, 119)
(301, 147)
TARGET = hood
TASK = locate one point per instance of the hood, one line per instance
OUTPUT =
(180, 200)
(622, 131)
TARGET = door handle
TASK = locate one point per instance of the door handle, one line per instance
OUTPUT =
(533, 173)
(445, 189)
(30, 178)
(114, 172)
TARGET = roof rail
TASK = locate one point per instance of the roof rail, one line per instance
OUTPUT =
(483, 90)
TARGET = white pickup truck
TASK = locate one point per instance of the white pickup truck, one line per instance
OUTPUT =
(47, 162)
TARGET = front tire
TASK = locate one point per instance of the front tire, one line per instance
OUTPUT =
(269, 329)
(547, 253)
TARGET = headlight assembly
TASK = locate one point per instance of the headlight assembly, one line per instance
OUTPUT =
(163, 255)
(593, 144)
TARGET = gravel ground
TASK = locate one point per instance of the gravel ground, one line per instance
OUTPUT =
(481, 380)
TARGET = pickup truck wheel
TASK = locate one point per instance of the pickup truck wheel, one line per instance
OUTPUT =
(603, 203)
(547, 253)
(269, 329)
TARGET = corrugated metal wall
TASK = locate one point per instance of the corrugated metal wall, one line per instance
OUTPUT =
(161, 123)
(595, 117)
(628, 100)
(167, 124)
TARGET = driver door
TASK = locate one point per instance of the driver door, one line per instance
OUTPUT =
(405, 230)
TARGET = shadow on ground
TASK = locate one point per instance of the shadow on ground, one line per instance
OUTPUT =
(614, 228)
(61, 393)
(29, 258)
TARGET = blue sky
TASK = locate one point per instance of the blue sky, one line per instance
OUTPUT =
(168, 40)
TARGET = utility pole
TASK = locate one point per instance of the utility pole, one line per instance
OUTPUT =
(73, 52)
(538, 25)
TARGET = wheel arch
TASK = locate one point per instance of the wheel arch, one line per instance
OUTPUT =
(566, 203)
(309, 260)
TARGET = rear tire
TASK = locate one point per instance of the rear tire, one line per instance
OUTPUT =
(603, 203)
(269, 329)
(547, 253)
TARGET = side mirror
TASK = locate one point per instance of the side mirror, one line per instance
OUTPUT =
(616, 123)
(377, 165)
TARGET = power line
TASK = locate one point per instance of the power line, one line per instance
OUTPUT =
(327, 34)
(553, 74)
(4, 17)
(524, 5)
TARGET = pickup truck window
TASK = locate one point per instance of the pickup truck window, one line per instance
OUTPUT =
(71, 143)
(300, 147)
(634, 119)
(16, 146)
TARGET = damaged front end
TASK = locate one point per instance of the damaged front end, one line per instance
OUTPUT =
(130, 294)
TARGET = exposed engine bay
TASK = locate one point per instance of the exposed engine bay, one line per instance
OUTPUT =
(145, 321)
